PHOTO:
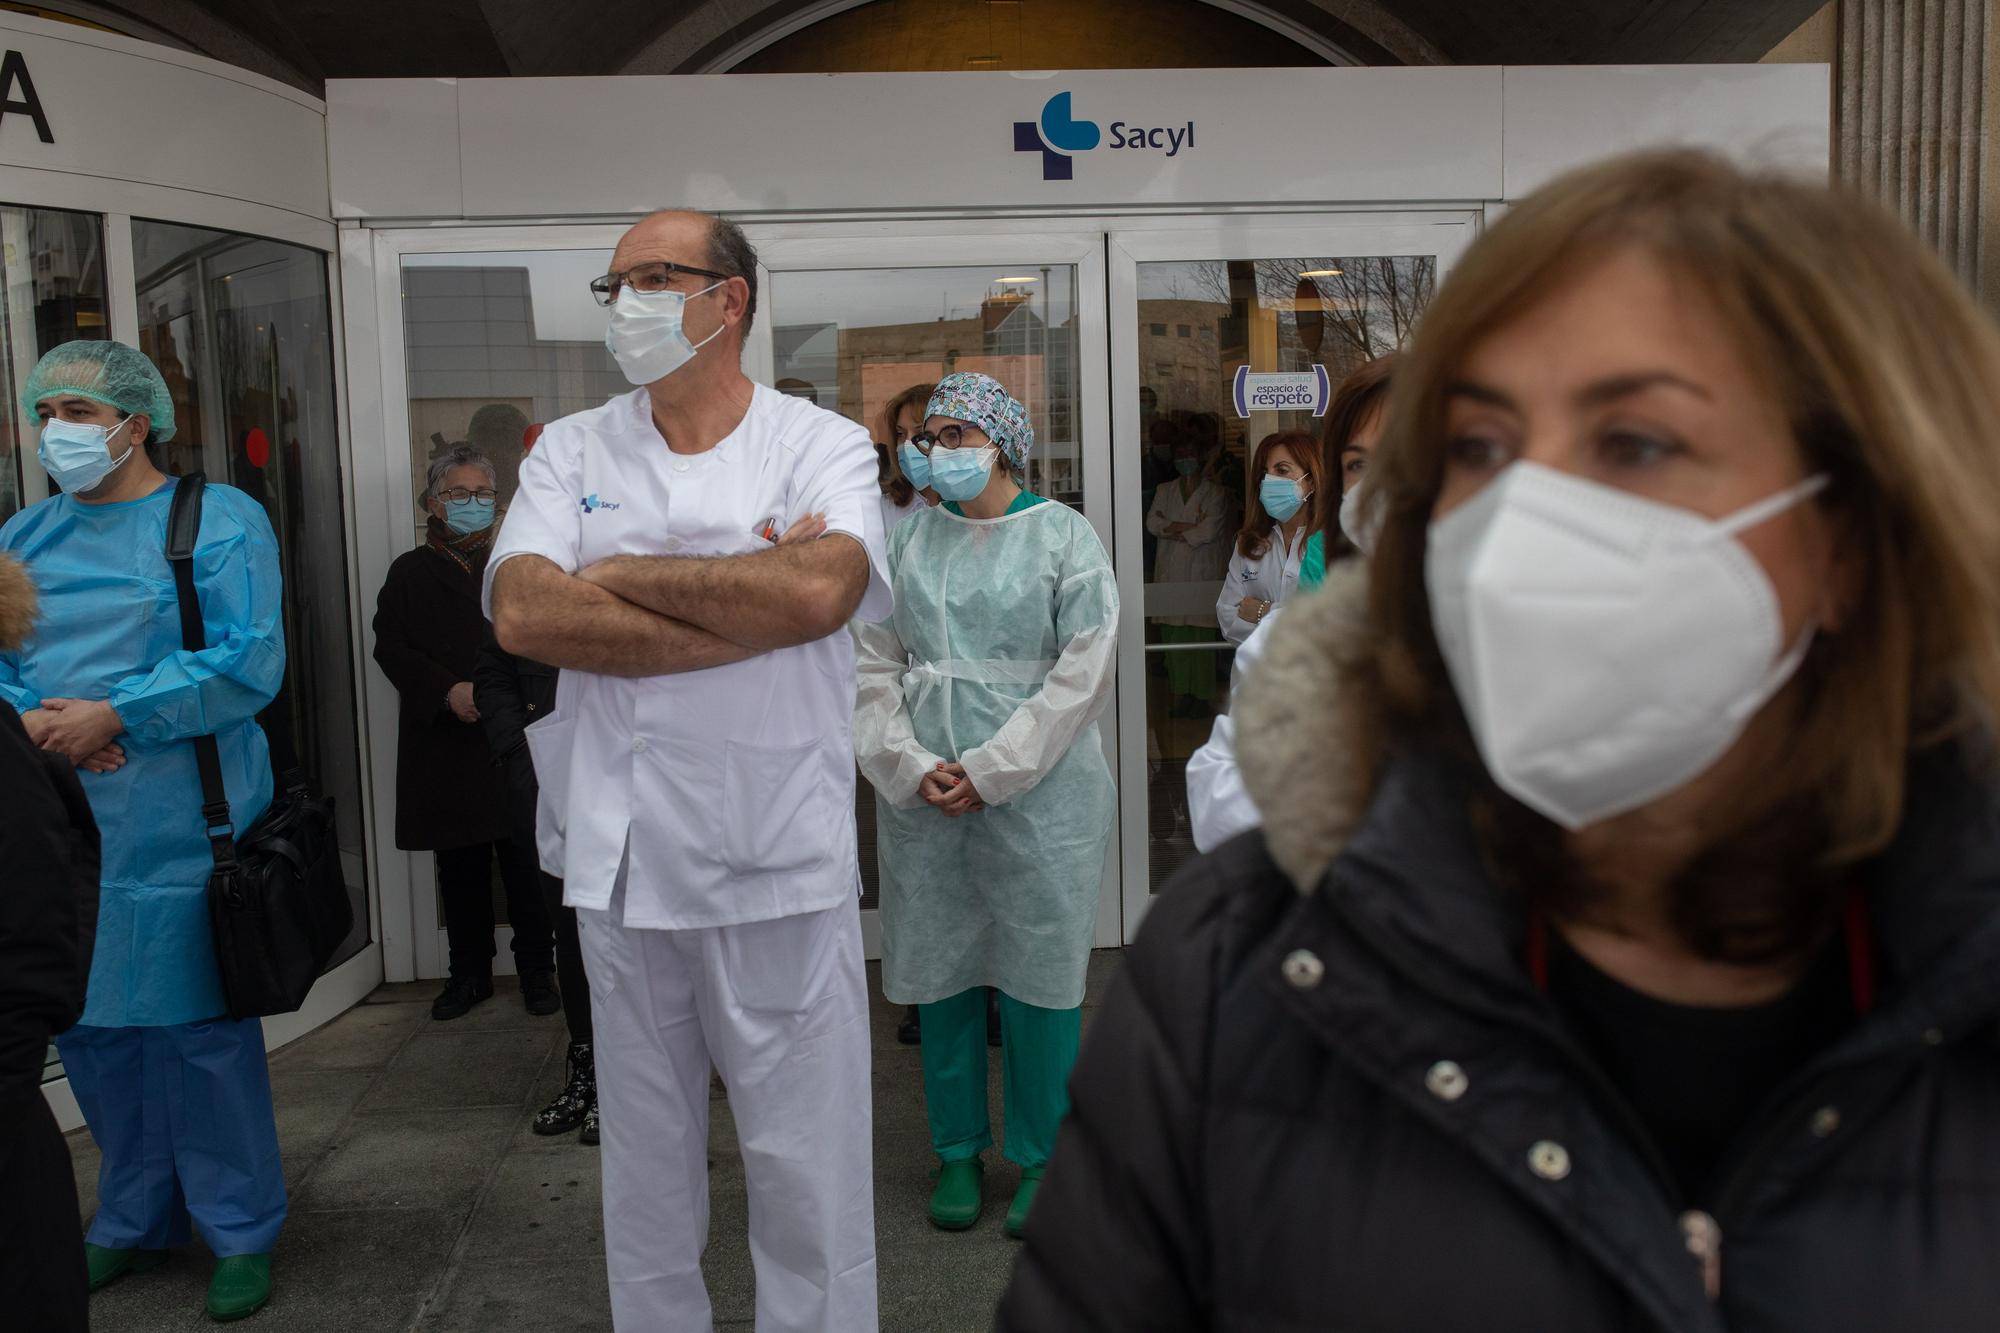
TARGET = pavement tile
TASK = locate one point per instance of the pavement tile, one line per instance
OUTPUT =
(410, 1159)
(445, 1070)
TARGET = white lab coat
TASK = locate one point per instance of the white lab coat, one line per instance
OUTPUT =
(704, 825)
(1219, 807)
(893, 513)
(733, 787)
(1272, 577)
(1199, 555)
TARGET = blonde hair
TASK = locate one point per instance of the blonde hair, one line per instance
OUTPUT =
(888, 472)
(1889, 376)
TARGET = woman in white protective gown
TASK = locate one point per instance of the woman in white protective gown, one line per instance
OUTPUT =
(976, 722)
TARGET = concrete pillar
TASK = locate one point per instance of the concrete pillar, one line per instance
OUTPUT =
(1917, 120)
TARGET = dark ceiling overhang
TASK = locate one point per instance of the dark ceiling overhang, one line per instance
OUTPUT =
(306, 42)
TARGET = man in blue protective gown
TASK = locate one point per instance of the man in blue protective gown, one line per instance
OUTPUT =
(177, 1096)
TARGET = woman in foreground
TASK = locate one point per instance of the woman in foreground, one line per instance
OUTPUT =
(1620, 953)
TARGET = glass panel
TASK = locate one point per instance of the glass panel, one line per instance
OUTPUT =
(242, 330)
(853, 339)
(1198, 322)
(51, 291)
(497, 344)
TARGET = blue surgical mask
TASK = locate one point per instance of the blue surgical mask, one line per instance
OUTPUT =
(469, 515)
(961, 474)
(645, 334)
(1187, 467)
(915, 464)
(1281, 496)
(77, 455)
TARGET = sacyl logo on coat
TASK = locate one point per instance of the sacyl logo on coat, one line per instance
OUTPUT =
(1058, 136)
(591, 504)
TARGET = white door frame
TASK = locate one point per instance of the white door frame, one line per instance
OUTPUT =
(1443, 234)
(413, 945)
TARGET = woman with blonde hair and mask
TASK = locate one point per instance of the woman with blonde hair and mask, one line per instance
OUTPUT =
(901, 420)
(1630, 961)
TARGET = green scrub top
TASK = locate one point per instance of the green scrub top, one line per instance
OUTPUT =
(1312, 565)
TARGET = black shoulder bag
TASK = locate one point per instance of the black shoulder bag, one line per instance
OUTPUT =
(277, 903)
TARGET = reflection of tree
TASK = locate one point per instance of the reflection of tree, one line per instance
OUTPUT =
(1370, 304)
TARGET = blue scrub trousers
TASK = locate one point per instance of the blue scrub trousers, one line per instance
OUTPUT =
(1037, 1051)
(183, 1118)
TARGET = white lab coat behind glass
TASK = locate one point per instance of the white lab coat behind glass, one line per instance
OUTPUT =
(1272, 577)
(1199, 555)
(734, 785)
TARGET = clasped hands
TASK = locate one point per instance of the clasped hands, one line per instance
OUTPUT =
(82, 731)
(949, 790)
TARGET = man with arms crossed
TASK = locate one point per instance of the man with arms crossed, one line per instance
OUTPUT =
(697, 780)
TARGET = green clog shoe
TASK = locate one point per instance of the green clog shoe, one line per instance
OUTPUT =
(960, 1195)
(241, 1285)
(107, 1266)
(1024, 1199)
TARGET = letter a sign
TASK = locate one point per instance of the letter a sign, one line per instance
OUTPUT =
(17, 93)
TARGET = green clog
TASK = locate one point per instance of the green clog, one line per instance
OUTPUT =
(1024, 1199)
(960, 1195)
(241, 1285)
(107, 1266)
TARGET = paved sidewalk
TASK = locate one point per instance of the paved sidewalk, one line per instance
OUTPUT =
(421, 1201)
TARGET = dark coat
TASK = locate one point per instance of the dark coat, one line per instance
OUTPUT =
(428, 629)
(513, 693)
(48, 922)
(1258, 1140)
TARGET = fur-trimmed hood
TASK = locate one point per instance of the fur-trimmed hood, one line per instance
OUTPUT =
(1298, 740)
(17, 603)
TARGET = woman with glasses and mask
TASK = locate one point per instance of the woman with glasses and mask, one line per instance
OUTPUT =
(977, 724)
(1631, 963)
(450, 799)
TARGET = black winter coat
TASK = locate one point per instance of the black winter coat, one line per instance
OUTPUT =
(428, 630)
(513, 693)
(48, 909)
(50, 867)
(1258, 1142)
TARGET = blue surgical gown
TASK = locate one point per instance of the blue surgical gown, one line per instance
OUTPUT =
(110, 629)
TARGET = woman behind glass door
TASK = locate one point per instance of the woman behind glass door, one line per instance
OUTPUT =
(1264, 567)
(977, 722)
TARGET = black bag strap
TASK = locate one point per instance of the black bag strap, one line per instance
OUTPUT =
(183, 527)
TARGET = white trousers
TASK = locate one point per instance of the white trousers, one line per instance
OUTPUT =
(781, 1009)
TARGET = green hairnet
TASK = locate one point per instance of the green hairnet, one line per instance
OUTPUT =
(105, 372)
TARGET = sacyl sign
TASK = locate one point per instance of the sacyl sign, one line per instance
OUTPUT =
(1058, 136)
(17, 93)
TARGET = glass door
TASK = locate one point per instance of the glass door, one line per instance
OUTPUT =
(1222, 336)
(857, 320)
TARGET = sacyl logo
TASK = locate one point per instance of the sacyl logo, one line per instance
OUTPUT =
(1059, 135)
(591, 504)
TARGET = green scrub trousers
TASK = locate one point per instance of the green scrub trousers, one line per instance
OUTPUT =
(1037, 1051)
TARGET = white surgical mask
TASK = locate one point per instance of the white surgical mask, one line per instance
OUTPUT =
(77, 455)
(1606, 648)
(1359, 531)
(645, 333)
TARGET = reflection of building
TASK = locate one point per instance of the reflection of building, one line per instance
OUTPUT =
(1006, 339)
(471, 345)
(1181, 350)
